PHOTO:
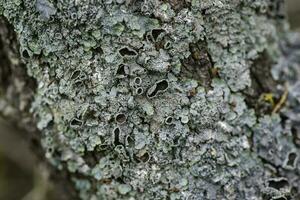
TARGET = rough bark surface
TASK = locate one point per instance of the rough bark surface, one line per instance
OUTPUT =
(157, 99)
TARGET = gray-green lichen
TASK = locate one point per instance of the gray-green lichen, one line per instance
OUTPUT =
(122, 103)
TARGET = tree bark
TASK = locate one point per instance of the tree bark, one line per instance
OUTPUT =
(156, 99)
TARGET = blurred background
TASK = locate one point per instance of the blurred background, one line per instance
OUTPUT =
(22, 178)
(293, 8)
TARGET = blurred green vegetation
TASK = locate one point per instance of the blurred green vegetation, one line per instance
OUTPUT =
(21, 176)
(293, 7)
(15, 182)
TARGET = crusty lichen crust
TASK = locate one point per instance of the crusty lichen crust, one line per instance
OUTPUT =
(142, 99)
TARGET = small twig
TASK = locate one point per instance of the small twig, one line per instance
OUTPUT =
(282, 100)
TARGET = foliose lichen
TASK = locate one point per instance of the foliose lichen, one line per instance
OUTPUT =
(143, 99)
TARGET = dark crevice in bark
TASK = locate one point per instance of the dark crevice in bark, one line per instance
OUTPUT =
(199, 65)
(178, 5)
(263, 88)
(262, 83)
(261, 74)
(4, 71)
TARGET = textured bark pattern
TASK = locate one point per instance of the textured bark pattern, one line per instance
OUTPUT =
(146, 99)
